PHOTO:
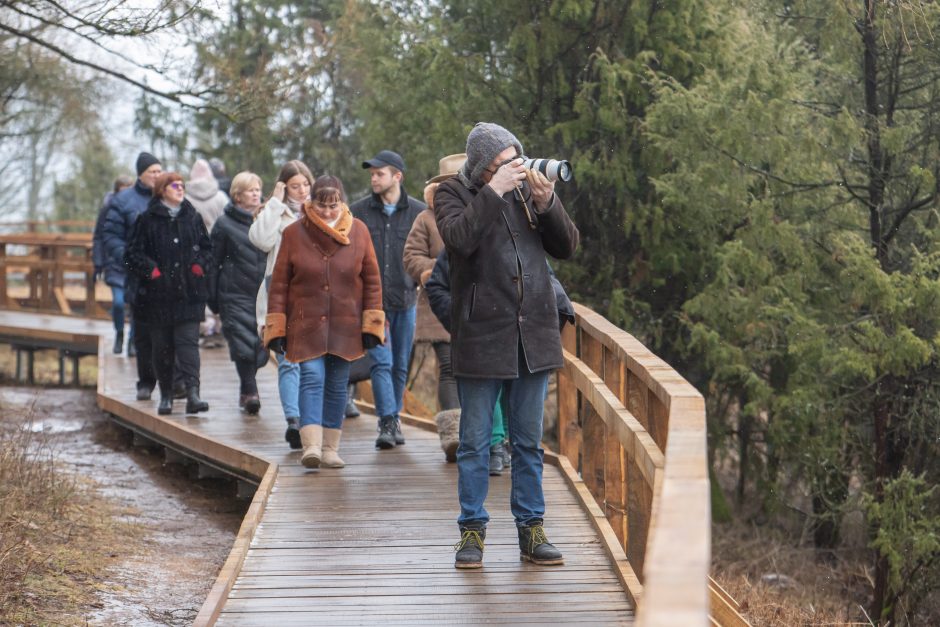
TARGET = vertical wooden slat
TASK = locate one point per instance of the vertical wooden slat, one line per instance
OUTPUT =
(658, 423)
(639, 494)
(569, 429)
(593, 448)
(637, 399)
(615, 480)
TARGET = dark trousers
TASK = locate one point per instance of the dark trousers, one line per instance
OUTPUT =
(446, 383)
(246, 375)
(140, 336)
(176, 343)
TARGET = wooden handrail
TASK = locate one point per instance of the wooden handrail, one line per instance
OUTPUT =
(635, 431)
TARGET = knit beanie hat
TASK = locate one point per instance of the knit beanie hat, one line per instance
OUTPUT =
(484, 143)
(144, 161)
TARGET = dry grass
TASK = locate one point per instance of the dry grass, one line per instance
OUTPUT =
(57, 535)
(780, 582)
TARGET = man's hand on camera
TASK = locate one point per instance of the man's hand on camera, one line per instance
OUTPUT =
(508, 177)
(542, 189)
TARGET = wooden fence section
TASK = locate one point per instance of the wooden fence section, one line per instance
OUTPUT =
(43, 259)
(633, 431)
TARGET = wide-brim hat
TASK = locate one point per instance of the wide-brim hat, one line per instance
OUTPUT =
(449, 166)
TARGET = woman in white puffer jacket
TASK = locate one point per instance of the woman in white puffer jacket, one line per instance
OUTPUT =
(283, 208)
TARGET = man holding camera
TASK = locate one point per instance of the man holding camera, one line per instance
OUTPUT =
(498, 220)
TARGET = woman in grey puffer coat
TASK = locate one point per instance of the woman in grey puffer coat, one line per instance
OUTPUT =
(238, 270)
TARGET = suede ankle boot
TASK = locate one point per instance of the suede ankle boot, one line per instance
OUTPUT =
(311, 436)
(534, 546)
(470, 548)
(448, 429)
(331, 458)
(194, 404)
(386, 439)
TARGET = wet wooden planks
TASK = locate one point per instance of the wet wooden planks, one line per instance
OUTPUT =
(373, 542)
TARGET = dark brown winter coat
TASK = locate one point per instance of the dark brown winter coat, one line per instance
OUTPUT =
(326, 290)
(502, 295)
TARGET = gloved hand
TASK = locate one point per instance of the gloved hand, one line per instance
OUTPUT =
(197, 270)
(278, 345)
(369, 341)
(156, 274)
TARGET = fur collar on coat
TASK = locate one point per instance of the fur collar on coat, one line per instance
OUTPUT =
(339, 231)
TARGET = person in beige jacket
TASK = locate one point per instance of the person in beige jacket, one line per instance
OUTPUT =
(422, 247)
(283, 209)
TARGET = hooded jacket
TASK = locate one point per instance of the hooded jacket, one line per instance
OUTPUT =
(503, 299)
(203, 192)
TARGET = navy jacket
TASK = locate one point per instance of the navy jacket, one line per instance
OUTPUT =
(120, 217)
(388, 238)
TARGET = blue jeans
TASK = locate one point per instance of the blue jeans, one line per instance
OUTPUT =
(525, 398)
(390, 362)
(288, 385)
(117, 310)
(323, 391)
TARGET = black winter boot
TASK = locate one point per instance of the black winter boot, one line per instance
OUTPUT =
(194, 404)
(470, 548)
(144, 391)
(166, 401)
(386, 437)
(351, 410)
(292, 435)
(399, 436)
(534, 546)
(496, 460)
(118, 347)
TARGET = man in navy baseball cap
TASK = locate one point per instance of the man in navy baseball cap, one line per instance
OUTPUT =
(383, 159)
(389, 212)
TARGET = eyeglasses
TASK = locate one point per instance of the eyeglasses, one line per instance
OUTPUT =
(178, 186)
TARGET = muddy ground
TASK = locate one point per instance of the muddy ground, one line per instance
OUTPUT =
(187, 525)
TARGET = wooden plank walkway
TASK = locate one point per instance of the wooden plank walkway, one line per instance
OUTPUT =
(372, 542)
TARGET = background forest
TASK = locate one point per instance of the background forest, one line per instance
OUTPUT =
(756, 185)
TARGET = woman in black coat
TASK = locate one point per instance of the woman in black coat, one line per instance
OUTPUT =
(169, 253)
(237, 273)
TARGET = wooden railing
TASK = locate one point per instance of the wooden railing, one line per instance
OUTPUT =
(43, 259)
(632, 435)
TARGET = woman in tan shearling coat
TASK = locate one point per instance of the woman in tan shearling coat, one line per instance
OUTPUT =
(324, 310)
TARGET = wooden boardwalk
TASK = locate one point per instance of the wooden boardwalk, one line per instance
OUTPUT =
(372, 542)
